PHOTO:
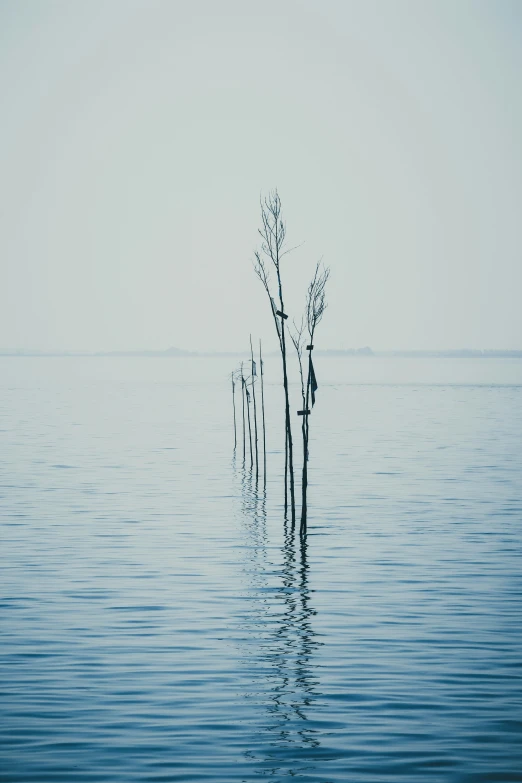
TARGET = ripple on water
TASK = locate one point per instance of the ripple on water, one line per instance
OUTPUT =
(161, 622)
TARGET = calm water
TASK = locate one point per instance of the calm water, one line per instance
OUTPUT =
(160, 623)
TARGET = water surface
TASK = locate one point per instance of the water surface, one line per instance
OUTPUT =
(161, 622)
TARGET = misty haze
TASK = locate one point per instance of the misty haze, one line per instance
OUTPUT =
(261, 391)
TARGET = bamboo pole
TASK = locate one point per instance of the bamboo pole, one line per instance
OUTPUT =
(289, 448)
(234, 407)
(273, 233)
(305, 428)
(249, 427)
(261, 370)
(243, 400)
(253, 368)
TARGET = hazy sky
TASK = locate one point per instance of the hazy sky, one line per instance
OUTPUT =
(137, 135)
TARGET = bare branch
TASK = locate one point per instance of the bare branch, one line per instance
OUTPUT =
(261, 271)
(273, 231)
(290, 249)
(316, 298)
(296, 333)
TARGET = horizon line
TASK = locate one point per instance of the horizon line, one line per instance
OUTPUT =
(174, 352)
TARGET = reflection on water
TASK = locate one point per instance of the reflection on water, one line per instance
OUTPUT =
(280, 624)
(160, 622)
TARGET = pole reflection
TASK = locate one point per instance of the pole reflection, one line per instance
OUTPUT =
(280, 642)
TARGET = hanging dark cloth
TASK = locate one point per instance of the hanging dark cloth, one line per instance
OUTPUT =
(312, 380)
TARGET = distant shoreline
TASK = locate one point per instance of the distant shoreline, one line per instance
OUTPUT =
(464, 353)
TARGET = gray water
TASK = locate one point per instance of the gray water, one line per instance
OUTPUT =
(160, 621)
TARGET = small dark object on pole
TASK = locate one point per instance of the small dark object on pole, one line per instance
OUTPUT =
(309, 347)
(283, 315)
(303, 413)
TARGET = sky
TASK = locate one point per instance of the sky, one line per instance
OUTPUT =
(138, 136)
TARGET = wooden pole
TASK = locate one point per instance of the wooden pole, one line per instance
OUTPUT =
(234, 407)
(289, 447)
(263, 411)
(305, 429)
(243, 400)
(255, 407)
(249, 427)
(273, 232)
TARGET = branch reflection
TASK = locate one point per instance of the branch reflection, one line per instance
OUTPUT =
(281, 641)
